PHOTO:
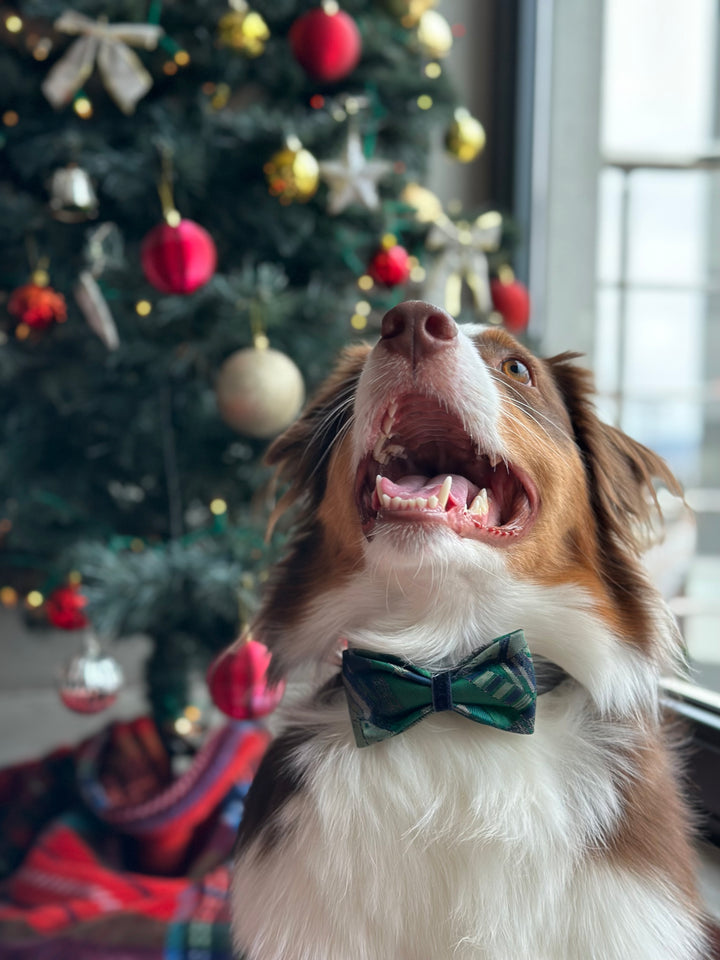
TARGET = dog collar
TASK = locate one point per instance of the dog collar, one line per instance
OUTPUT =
(496, 686)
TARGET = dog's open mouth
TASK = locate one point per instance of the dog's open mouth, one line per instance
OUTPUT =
(425, 468)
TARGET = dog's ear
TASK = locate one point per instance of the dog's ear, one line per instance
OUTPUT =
(301, 454)
(620, 470)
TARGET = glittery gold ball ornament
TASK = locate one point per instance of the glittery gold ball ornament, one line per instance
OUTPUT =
(465, 137)
(259, 391)
(243, 29)
(292, 173)
(434, 34)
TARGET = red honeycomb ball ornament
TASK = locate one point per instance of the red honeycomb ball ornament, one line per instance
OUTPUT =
(326, 43)
(512, 301)
(390, 266)
(178, 259)
(237, 680)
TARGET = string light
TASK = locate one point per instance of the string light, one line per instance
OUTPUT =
(358, 321)
(363, 308)
(218, 507)
(83, 107)
(75, 577)
(22, 331)
(424, 101)
(433, 70)
(221, 96)
(8, 596)
(143, 308)
(34, 599)
(182, 58)
(193, 713)
(137, 545)
(366, 282)
(13, 23)
(42, 48)
(10, 118)
(183, 726)
(170, 68)
(317, 101)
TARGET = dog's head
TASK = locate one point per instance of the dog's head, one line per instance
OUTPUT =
(450, 460)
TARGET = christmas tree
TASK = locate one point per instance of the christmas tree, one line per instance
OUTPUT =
(199, 204)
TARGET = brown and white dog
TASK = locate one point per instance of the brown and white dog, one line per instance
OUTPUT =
(454, 839)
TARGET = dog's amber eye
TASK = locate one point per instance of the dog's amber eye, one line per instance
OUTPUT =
(517, 370)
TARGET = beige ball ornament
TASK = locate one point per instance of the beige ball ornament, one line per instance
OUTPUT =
(259, 391)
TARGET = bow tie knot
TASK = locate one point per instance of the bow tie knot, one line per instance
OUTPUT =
(495, 686)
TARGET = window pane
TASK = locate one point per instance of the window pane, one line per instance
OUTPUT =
(658, 76)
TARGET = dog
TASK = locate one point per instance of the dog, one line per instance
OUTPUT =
(464, 518)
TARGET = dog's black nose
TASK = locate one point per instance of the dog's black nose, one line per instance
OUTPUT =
(416, 329)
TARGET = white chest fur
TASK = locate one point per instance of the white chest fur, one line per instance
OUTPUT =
(455, 841)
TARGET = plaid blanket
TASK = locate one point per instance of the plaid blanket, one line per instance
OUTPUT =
(107, 856)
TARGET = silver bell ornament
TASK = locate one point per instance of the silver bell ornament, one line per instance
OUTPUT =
(91, 680)
(72, 195)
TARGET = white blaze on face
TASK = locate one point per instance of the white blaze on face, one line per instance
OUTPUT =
(458, 379)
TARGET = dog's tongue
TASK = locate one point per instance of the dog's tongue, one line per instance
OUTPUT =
(415, 485)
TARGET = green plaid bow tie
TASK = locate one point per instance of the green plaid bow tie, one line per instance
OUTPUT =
(495, 686)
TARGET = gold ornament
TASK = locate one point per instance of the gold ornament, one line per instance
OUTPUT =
(409, 11)
(243, 29)
(434, 34)
(465, 137)
(259, 391)
(292, 173)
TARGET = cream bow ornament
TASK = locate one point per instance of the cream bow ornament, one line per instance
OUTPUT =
(124, 76)
(461, 249)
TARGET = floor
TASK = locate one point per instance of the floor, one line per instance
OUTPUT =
(33, 720)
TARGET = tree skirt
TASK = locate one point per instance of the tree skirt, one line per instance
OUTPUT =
(122, 861)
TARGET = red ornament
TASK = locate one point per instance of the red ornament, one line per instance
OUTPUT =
(237, 679)
(178, 259)
(65, 607)
(390, 266)
(38, 306)
(512, 301)
(326, 43)
(91, 681)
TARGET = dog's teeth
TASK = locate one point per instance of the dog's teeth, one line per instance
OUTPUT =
(395, 450)
(378, 453)
(387, 425)
(385, 500)
(444, 492)
(420, 503)
(480, 504)
(392, 408)
(378, 486)
(396, 503)
(433, 502)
